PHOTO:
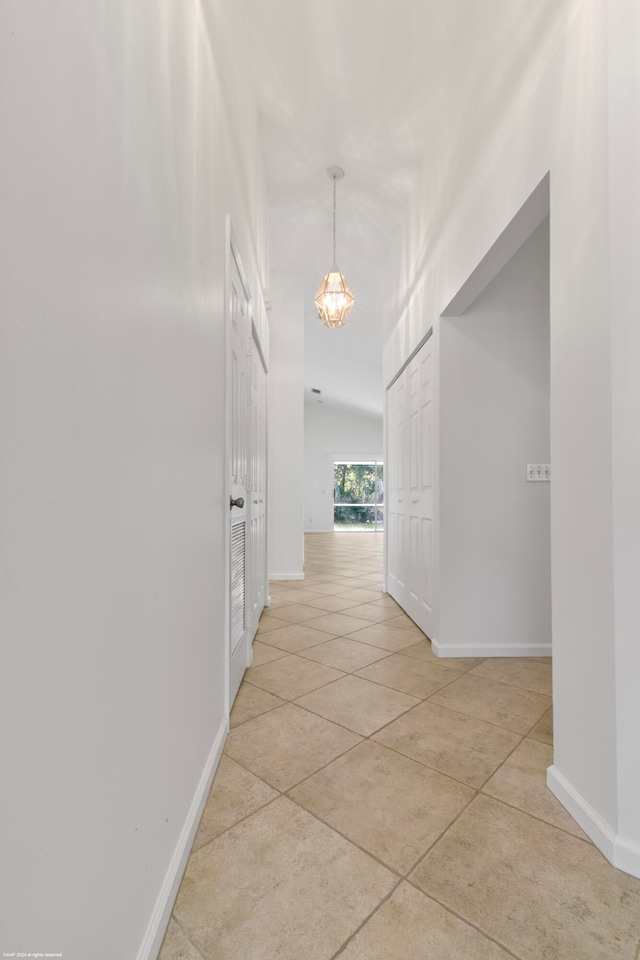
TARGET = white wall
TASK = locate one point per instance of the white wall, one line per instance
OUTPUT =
(495, 527)
(129, 131)
(624, 255)
(548, 108)
(331, 434)
(285, 430)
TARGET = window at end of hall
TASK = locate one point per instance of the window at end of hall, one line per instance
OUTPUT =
(358, 496)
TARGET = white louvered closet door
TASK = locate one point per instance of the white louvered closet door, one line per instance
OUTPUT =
(410, 496)
(238, 327)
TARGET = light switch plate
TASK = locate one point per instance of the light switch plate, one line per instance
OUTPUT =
(538, 472)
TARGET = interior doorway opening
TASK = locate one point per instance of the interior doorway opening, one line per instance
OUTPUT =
(494, 427)
(358, 496)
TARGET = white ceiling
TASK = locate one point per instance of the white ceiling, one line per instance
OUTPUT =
(336, 85)
(376, 87)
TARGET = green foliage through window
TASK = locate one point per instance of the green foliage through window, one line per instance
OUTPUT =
(358, 496)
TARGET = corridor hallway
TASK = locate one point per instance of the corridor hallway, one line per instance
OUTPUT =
(377, 803)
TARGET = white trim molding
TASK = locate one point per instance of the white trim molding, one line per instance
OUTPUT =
(286, 576)
(626, 856)
(620, 852)
(169, 891)
(491, 650)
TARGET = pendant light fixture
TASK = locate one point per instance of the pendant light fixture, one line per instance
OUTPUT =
(334, 298)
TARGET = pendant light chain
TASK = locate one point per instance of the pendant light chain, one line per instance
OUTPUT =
(334, 221)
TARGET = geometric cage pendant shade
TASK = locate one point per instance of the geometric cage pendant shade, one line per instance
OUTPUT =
(334, 299)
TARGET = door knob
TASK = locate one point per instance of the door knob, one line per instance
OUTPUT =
(238, 502)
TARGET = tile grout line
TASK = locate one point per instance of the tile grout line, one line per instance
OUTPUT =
(388, 686)
(247, 816)
(403, 875)
(427, 699)
(362, 738)
(306, 777)
(523, 737)
(338, 636)
(463, 783)
(354, 843)
(365, 736)
(313, 689)
(507, 683)
(365, 921)
(469, 923)
(185, 933)
(185, 930)
(349, 673)
(477, 792)
(398, 717)
(469, 716)
(526, 813)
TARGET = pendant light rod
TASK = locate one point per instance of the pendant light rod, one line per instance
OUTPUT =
(336, 173)
(334, 224)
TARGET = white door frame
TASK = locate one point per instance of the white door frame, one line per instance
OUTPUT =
(256, 350)
(243, 651)
(388, 532)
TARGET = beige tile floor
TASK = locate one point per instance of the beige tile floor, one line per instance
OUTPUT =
(376, 802)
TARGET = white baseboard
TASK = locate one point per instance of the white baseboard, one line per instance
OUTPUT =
(286, 576)
(491, 649)
(321, 530)
(627, 856)
(169, 891)
(584, 814)
(622, 853)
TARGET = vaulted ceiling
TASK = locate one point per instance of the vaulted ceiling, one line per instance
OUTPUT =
(378, 88)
